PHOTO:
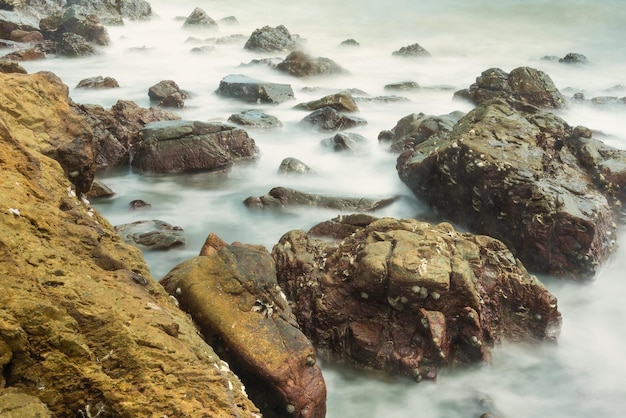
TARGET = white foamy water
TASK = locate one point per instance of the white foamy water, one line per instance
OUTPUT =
(581, 376)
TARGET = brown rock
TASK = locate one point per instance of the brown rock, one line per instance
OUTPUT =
(300, 64)
(407, 297)
(233, 296)
(30, 37)
(81, 319)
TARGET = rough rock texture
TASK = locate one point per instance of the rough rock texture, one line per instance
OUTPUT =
(255, 119)
(300, 64)
(73, 45)
(200, 19)
(408, 297)
(116, 129)
(188, 146)
(345, 142)
(152, 235)
(268, 39)
(113, 12)
(234, 297)
(251, 90)
(36, 109)
(283, 196)
(413, 50)
(508, 170)
(523, 83)
(291, 165)
(83, 326)
(97, 82)
(328, 119)
(341, 102)
(415, 128)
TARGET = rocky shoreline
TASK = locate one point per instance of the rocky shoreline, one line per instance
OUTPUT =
(86, 331)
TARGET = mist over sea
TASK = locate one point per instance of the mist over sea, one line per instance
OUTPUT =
(584, 375)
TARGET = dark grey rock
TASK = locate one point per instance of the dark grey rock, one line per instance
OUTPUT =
(292, 165)
(413, 50)
(251, 90)
(97, 82)
(152, 235)
(255, 119)
(341, 102)
(403, 86)
(328, 119)
(574, 58)
(299, 64)
(200, 19)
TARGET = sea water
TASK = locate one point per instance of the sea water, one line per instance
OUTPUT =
(584, 374)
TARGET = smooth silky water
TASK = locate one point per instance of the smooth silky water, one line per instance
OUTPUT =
(581, 376)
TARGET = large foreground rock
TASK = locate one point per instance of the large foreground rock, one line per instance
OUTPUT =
(233, 295)
(188, 146)
(36, 109)
(408, 297)
(84, 328)
(510, 170)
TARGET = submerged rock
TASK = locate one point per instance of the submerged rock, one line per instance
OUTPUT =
(509, 170)
(413, 50)
(292, 165)
(328, 119)
(282, 196)
(200, 19)
(255, 119)
(97, 82)
(341, 102)
(414, 129)
(408, 297)
(152, 235)
(252, 90)
(188, 146)
(345, 142)
(233, 296)
(300, 64)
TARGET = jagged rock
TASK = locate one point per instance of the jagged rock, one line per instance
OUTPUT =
(414, 129)
(268, 39)
(345, 142)
(524, 83)
(87, 26)
(512, 166)
(341, 102)
(349, 43)
(292, 165)
(299, 64)
(408, 297)
(233, 296)
(187, 146)
(328, 119)
(152, 235)
(251, 90)
(116, 129)
(11, 67)
(97, 82)
(200, 19)
(37, 106)
(413, 50)
(574, 58)
(283, 196)
(113, 13)
(84, 328)
(74, 45)
(255, 119)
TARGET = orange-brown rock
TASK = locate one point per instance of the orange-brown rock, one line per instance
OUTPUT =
(84, 328)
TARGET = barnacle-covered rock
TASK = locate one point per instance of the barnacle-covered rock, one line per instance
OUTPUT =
(408, 297)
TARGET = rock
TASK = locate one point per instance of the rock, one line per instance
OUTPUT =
(251, 90)
(116, 129)
(86, 25)
(281, 196)
(403, 86)
(37, 52)
(255, 119)
(37, 108)
(82, 322)
(408, 298)
(507, 171)
(414, 129)
(299, 64)
(328, 119)
(200, 19)
(163, 89)
(99, 189)
(29, 37)
(205, 49)
(74, 45)
(524, 83)
(233, 296)
(139, 204)
(341, 102)
(11, 67)
(98, 82)
(229, 20)
(152, 235)
(349, 43)
(268, 39)
(413, 50)
(114, 13)
(574, 58)
(188, 146)
(292, 165)
(345, 142)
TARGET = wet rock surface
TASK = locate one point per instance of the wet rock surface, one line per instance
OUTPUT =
(413, 50)
(341, 102)
(233, 295)
(280, 197)
(300, 64)
(328, 119)
(153, 234)
(414, 129)
(268, 39)
(251, 90)
(524, 83)
(255, 119)
(408, 297)
(189, 146)
(510, 170)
